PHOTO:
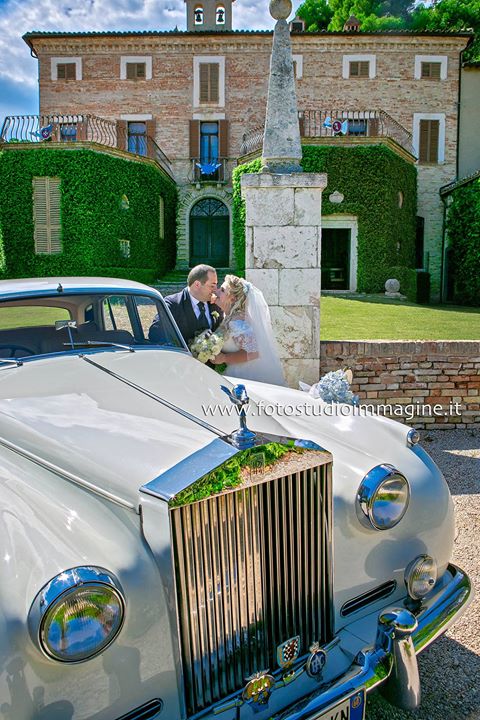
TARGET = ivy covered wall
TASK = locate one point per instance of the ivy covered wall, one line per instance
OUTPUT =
(375, 182)
(463, 234)
(94, 217)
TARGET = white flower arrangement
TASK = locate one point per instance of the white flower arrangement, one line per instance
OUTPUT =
(333, 387)
(207, 345)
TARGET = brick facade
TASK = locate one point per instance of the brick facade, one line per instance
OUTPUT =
(168, 97)
(441, 377)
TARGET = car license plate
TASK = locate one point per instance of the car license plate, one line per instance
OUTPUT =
(353, 708)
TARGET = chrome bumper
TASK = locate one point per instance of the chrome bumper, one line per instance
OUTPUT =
(390, 661)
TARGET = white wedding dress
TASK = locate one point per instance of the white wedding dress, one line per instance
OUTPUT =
(253, 333)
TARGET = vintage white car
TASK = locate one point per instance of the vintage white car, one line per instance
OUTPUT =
(163, 558)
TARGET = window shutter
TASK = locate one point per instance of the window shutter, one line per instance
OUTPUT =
(204, 83)
(423, 149)
(214, 82)
(122, 134)
(130, 71)
(354, 69)
(71, 71)
(363, 69)
(434, 134)
(46, 215)
(372, 126)
(429, 136)
(140, 68)
(301, 124)
(223, 138)
(161, 217)
(209, 82)
(431, 70)
(61, 72)
(194, 138)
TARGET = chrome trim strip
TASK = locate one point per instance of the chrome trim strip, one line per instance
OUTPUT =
(190, 469)
(66, 475)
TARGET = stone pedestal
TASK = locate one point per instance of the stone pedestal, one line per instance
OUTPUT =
(283, 259)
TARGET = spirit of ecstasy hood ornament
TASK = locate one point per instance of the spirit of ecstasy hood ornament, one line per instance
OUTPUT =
(243, 438)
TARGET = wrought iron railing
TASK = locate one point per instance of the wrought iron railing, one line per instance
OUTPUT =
(214, 171)
(70, 128)
(339, 123)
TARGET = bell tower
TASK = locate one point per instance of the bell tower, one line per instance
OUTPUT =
(209, 15)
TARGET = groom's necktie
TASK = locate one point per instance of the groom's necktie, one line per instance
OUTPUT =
(202, 318)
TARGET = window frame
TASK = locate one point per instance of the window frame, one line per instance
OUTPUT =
(136, 59)
(442, 59)
(136, 77)
(56, 61)
(208, 59)
(372, 67)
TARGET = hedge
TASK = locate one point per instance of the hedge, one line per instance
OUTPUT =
(463, 232)
(370, 179)
(94, 219)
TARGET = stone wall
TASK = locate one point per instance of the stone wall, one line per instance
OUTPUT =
(442, 378)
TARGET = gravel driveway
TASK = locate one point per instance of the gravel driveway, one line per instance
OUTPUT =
(450, 668)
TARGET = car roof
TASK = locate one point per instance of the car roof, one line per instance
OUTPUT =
(49, 285)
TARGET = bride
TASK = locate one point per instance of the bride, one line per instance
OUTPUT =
(250, 350)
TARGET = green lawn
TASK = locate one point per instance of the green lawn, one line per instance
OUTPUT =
(376, 318)
(25, 316)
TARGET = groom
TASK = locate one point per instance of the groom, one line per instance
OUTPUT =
(192, 308)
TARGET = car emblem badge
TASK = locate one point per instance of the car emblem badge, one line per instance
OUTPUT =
(258, 689)
(288, 652)
(316, 661)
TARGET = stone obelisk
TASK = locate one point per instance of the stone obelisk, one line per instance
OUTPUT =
(282, 149)
(283, 218)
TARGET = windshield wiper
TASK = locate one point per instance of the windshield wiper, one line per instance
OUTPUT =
(98, 343)
(10, 362)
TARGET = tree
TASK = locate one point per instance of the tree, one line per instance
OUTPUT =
(445, 16)
(316, 14)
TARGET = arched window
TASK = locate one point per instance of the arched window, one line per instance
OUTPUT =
(220, 15)
(198, 15)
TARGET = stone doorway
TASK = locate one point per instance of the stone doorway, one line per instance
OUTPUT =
(209, 233)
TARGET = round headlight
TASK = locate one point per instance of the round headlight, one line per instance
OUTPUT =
(413, 437)
(383, 497)
(421, 576)
(78, 614)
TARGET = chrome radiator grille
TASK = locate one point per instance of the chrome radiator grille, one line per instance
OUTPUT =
(252, 570)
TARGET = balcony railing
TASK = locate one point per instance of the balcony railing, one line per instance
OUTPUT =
(204, 172)
(339, 123)
(64, 128)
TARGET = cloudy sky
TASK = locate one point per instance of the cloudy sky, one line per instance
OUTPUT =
(18, 71)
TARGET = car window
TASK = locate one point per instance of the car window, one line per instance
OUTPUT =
(31, 316)
(115, 313)
(156, 326)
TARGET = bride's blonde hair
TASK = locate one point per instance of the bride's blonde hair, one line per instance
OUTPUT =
(236, 289)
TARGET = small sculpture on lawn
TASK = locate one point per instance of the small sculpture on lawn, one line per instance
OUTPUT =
(392, 288)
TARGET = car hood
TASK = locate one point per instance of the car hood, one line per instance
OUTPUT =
(97, 418)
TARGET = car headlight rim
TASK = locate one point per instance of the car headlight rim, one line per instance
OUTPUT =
(91, 585)
(418, 587)
(374, 482)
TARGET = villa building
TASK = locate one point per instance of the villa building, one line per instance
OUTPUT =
(200, 96)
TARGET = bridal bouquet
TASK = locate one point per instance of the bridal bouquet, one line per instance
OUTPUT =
(207, 345)
(333, 387)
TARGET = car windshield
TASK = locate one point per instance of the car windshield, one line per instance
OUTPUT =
(39, 326)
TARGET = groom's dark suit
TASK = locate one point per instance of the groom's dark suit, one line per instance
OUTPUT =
(180, 305)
